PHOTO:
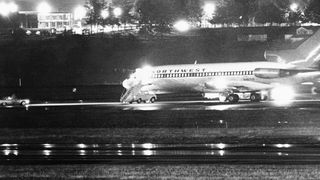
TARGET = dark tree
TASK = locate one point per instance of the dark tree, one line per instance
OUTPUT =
(313, 11)
(155, 11)
(244, 11)
(111, 20)
(231, 11)
(163, 13)
(270, 13)
(187, 9)
(127, 7)
(94, 9)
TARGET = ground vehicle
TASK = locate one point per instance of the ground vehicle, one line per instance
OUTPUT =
(141, 97)
(12, 100)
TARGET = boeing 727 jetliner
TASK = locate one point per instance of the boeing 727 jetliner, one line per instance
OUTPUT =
(258, 79)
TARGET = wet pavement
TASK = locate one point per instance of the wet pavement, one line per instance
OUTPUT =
(159, 153)
(171, 114)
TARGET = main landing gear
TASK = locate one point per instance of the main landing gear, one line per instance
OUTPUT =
(140, 100)
(234, 97)
(254, 97)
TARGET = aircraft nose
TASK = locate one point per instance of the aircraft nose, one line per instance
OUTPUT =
(125, 84)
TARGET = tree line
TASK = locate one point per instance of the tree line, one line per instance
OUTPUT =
(165, 12)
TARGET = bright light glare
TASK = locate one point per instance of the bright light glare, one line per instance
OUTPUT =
(105, 14)
(222, 152)
(79, 13)
(7, 8)
(82, 146)
(220, 84)
(4, 11)
(147, 153)
(13, 7)
(147, 146)
(209, 9)
(283, 95)
(44, 7)
(294, 7)
(283, 145)
(144, 74)
(211, 95)
(182, 26)
(47, 152)
(117, 12)
(221, 146)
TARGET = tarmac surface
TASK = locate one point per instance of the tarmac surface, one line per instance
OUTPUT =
(178, 114)
(190, 105)
(159, 153)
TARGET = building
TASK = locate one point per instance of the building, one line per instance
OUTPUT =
(55, 20)
(28, 19)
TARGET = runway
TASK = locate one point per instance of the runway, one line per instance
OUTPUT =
(162, 114)
(168, 132)
(159, 153)
(185, 105)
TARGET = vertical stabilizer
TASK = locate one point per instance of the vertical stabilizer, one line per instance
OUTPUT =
(306, 54)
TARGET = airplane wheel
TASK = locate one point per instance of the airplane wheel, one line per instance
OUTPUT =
(139, 101)
(152, 100)
(23, 103)
(254, 97)
(233, 98)
(4, 104)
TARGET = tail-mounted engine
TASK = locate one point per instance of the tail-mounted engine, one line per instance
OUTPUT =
(270, 73)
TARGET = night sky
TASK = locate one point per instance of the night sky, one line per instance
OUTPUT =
(69, 5)
(57, 5)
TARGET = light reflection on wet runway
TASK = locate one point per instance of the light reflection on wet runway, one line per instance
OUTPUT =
(186, 105)
(72, 153)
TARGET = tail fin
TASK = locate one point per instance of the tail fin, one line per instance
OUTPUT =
(306, 55)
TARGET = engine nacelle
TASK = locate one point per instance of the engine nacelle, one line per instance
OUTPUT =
(272, 73)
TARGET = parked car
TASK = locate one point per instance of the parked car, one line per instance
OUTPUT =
(13, 100)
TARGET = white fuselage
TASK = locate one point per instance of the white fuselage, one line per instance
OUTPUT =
(197, 76)
(223, 78)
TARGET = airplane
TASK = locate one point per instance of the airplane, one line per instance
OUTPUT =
(231, 81)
